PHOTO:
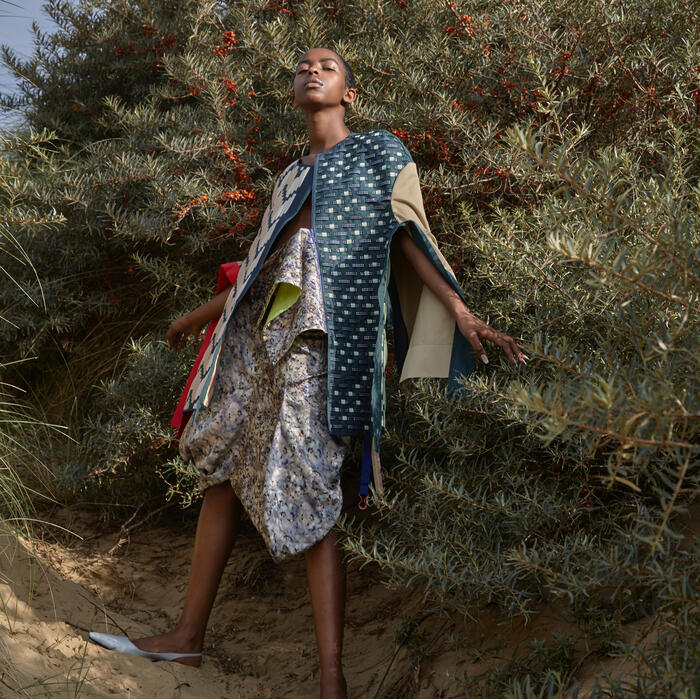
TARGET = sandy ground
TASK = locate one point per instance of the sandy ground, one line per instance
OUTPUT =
(260, 641)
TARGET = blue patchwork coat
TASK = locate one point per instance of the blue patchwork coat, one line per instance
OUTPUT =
(364, 189)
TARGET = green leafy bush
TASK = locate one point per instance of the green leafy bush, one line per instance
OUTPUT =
(558, 148)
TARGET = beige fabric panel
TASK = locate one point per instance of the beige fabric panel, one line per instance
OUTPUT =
(407, 200)
(407, 204)
(430, 326)
(430, 345)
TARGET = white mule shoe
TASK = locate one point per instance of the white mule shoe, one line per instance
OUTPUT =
(125, 646)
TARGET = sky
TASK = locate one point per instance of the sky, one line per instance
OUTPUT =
(15, 30)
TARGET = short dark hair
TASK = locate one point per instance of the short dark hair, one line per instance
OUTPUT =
(349, 75)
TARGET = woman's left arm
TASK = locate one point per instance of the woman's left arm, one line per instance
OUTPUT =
(472, 328)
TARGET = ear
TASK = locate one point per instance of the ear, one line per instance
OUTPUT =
(349, 96)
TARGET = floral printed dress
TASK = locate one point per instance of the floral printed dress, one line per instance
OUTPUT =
(266, 428)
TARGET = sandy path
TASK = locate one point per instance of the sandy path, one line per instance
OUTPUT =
(260, 641)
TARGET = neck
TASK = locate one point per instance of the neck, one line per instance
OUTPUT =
(325, 129)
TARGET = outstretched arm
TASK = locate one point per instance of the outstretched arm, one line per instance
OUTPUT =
(472, 328)
(193, 322)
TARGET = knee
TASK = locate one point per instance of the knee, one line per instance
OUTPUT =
(222, 494)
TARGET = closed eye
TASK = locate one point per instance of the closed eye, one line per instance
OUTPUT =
(325, 66)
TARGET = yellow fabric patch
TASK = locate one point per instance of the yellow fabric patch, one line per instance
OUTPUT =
(285, 295)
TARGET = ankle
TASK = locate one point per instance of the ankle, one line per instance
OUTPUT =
(192, 635)
(332, 674)
(333, 683)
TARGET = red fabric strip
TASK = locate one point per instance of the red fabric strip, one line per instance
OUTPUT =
(228, 272)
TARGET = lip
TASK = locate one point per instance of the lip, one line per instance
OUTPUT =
(313, 82)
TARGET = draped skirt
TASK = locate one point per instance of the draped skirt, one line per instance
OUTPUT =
(266, 428)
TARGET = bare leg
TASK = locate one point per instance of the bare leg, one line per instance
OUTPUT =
(216, 532)
(326, 575)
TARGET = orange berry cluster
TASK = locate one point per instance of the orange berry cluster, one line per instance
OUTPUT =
(438, 145)
(182, 213)
(239, 195)
(286, 7)
(228, 44)
(233, 158)
(253, 131)
(165, 41)
(464, 25)
(231, 88)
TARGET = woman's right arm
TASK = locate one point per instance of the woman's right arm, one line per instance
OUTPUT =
(193, 322)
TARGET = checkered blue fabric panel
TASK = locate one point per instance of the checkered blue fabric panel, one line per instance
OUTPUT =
(353, 223)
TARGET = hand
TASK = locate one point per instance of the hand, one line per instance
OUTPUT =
(475, 330)
(179, 330)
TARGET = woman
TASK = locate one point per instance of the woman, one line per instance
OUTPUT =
(295, 363)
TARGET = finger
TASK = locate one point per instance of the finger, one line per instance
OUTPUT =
(519, 354)
(517, 351)
(511, 348)
(505, 342)
(505, 345)
(502, 341)
(478, 348)
(173, 336)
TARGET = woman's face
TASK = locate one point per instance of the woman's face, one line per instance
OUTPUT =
(319, 80)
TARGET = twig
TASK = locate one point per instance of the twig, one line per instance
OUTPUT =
(398, 649)
(2, 680)
(126, 528)
(574, 670)
(102, 610)
(78, 627)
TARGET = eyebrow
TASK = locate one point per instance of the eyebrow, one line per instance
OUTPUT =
(328, 58)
